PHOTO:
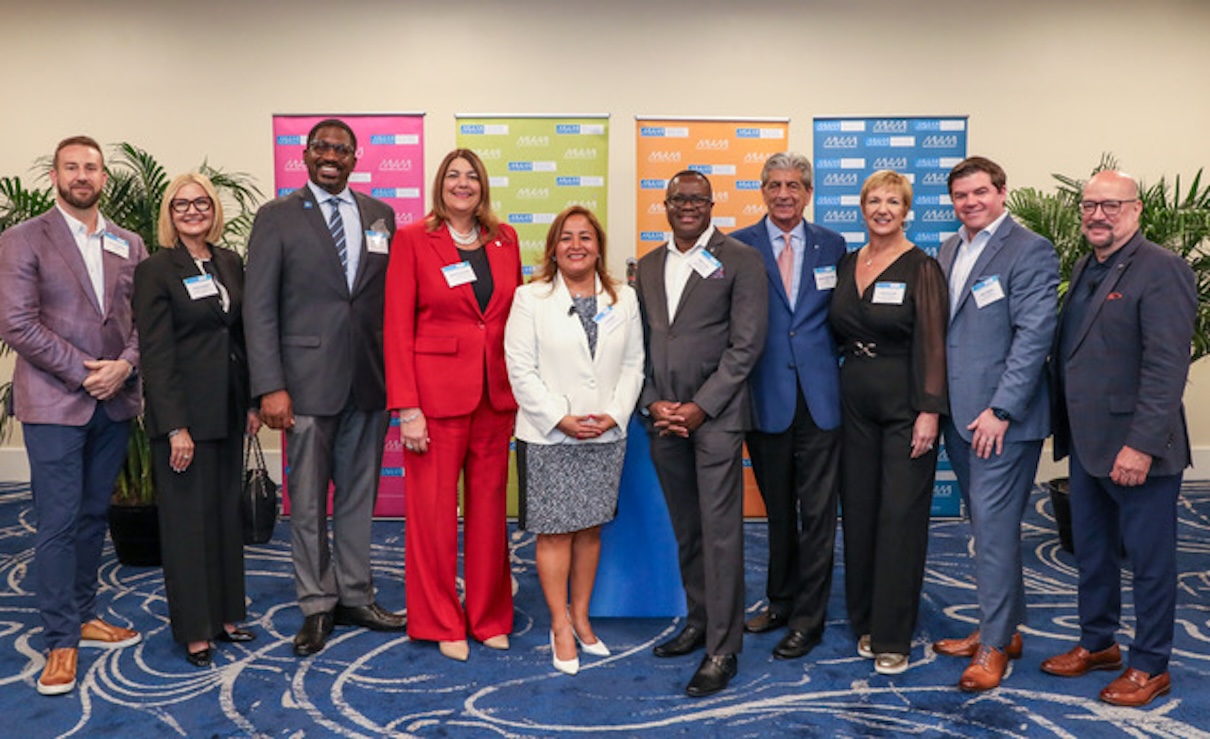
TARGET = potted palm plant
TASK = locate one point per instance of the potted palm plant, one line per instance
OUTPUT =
(131, 198)
(1174, 216)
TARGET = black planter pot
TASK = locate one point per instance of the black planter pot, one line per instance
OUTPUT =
(135, 530)
(1060, 503)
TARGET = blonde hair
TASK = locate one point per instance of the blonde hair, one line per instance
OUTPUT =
(166, 230)
(483, 212)
(888, 178)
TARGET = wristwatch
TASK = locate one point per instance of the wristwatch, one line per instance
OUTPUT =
(1001, 414)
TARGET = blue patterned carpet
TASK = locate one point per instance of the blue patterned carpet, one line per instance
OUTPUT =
(369, 685)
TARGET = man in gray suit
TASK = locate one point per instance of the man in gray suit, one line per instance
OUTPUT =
(1003, 291)
(1119, 366)
(703, 298)
(66, 278)
(316, 275)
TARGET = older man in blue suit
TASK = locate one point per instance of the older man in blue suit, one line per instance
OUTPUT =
(1003, 290)
(795, 445)
(1119, 365)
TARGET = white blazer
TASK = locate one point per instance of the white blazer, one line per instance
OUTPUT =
(550, 368)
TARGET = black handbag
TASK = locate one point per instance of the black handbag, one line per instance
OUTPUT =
(259, 496)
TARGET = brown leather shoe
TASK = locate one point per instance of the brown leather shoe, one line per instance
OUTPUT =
(985, 670)
(766, 620)
(1080, 661)
(97, 633)
(968, 646)
(59, 675)
(1134, 688)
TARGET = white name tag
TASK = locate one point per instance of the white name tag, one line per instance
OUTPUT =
(458, 273)
(987, 291)
(608, 320)
(889, 293)
(201, 286)
(705, 263)
(825, 278)
(376, 242)
(115, 244)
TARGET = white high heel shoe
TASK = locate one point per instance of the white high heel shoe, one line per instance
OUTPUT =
(596, 649)
(566, 666)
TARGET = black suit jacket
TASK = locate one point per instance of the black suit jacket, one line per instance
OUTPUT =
(195, 370)
(307, 332)
(1125, 376)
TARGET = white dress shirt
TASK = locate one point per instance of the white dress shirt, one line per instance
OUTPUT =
(677, 268)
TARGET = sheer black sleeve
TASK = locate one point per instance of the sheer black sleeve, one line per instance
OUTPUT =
(931, 300)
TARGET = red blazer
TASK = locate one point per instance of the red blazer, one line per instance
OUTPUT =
(436, 340)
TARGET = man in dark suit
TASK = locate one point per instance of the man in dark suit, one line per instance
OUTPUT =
(795, 445)
(317, 261)
(703, 299)
(1120, 362)
(65, 284)
(1003, 283)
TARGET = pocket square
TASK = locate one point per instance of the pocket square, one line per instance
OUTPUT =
(1113, 296)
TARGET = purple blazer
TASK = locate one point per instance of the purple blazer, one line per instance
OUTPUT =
(50, 317)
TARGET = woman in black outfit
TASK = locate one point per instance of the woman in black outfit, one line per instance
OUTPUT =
(187, 300)
(889, 311)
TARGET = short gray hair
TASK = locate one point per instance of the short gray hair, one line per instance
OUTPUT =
(787, 160)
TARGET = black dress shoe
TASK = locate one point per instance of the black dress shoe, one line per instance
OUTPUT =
(235, 636)
(313, 634)
(712, 675)
(795, 644)
(200, 658)
(689, 640)
(767, 621)
(372, 616)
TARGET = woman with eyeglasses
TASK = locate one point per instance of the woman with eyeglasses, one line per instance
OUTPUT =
(187, 308)
(450, 286)
(889, 312)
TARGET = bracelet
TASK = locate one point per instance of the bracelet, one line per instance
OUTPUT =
(409, 419)
(173, 433)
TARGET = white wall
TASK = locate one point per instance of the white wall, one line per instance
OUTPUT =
(1048, 85)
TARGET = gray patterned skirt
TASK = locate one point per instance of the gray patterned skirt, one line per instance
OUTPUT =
(568, 487)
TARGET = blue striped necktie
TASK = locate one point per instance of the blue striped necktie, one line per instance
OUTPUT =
(336, 225)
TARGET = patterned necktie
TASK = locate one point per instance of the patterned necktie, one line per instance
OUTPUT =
(785, 264)
(336, 225)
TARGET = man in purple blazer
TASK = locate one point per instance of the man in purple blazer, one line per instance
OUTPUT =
(65, 285)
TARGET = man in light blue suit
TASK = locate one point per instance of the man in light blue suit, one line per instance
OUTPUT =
(795, 443)
(1003, 294)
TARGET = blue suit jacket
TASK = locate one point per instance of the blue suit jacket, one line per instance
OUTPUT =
(996, 355)
(799, 350)
(1126, 374)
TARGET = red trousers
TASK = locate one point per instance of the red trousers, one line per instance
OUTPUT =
(476, 447)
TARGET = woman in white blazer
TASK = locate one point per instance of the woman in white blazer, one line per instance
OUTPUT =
(574, 349)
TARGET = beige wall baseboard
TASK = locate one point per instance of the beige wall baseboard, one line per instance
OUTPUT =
(14, 467)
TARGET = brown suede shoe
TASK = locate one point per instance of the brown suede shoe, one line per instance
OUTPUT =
(1134, 688)
(97, 633)
(968, 646)
(1080, 661)
(985, 671)
(59, 675)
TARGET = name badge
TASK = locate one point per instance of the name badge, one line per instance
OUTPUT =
(825, 278)
(987, 291)
(376, 242)
(608, 320)
(458, 273)
(201, 286)
(705, 263)
(115, 244)
(889, 293)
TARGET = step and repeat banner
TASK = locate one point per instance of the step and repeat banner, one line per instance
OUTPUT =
(540, 165)
(847, 151)
(731, 153)
(390, 167)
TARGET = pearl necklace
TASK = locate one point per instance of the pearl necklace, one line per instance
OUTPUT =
(470, 238)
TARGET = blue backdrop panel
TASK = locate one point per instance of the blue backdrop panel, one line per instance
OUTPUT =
(638, 576)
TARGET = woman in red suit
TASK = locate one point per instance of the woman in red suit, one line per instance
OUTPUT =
(449, 290)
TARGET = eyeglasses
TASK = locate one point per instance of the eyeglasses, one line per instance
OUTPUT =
(180, 206)
(323, 147)
(681, 202)
(1109, 207)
